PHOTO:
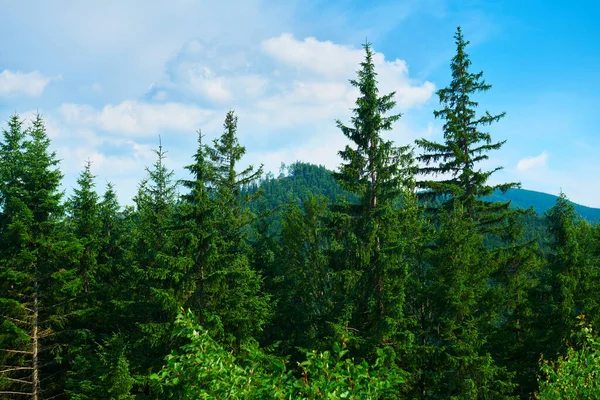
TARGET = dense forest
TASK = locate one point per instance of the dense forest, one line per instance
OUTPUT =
(402, 275)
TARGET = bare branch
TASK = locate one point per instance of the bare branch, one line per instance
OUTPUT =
(17, 351)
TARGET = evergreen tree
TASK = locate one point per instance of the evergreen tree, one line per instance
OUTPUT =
(85, 223)
(302, 283)
(571, 278)
(378, 173)
(513, 339)
(455, 363)
(34, 264)
(465, 146)
(155, 283)
(243, 308)
(195, 218)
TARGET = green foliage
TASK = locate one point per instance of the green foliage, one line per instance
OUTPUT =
(369, 262)
(315, 285)
(302, 280)
(576, 374)
(202, 369)
(36, 262)
(214, 219)
(465, 145)
(100, 371)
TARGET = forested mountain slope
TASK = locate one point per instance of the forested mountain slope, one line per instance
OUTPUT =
(300, 179)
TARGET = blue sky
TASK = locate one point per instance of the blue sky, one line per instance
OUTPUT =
(110, 76)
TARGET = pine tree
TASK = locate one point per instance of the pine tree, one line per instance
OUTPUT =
(378, 173)
(465, 145)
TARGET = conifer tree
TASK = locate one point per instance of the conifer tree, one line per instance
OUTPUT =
(571, 277)
(465, 145)
(85, 223)
(453, 359)
(303, 282)
(98, 360)
(155, 275)
(33, 264)
(513, 339)
(377, 172)
(195, 218)
(243, 308)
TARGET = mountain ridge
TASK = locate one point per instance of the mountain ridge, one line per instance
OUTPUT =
(303, 179)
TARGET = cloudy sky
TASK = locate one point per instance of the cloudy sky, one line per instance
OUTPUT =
(110, 76)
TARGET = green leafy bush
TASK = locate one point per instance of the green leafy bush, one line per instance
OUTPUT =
(202, 369)
(577, 374)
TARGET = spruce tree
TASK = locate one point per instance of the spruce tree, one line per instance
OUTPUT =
(243, 308)
(34, 264)
(570, 279)
(465, 146)
(452, 355)
(302, 282)
(377, 172)
(85, 224)
(155, 276)
(195, 218)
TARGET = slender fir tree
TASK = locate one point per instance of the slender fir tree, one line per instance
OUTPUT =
(465, 146)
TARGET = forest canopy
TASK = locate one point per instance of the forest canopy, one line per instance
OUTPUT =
(404, 274)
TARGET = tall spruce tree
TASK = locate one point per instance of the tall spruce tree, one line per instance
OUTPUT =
(465, 146)
(156, 275)
(33, 265)
(506, 260)
(243, 309)
(377, 172)
(195, 218)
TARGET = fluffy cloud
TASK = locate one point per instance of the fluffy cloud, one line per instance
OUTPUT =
(136, 118)
(24, 83)
(288, 83)
(338, 63)
(288, 94)
(528, 163)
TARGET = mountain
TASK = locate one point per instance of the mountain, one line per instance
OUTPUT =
(522, 198)
(303, 179)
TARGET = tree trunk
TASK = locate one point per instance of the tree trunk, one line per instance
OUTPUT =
(34, 360)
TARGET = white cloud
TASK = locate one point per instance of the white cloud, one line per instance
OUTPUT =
(135, 118)
(30, 84)
(287, 111)
(325, 58)
(338, 63)
(528, 163)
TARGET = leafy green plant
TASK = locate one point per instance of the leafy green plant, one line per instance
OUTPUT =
(575, 375)
(202, 369)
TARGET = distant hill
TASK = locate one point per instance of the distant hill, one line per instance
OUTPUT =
(522, 198)
(303, 179)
